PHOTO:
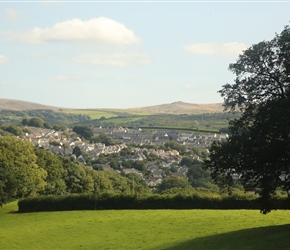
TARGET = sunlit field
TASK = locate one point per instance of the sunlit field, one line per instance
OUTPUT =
(144, 229)
(94, 114)
(107, 113)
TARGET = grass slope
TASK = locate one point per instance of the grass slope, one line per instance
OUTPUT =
(144, 229)
(175, 108)
(181, 108)
(10, 104)
(169, 108)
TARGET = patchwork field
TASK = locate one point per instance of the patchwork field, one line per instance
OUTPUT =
(144, 229)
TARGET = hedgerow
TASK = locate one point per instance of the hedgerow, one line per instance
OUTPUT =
(107, 200)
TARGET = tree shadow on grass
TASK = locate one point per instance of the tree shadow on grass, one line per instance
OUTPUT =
(266, 238)
(14, 212)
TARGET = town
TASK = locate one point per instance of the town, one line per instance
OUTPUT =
(141, 143)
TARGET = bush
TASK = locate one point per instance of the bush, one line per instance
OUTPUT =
(110, 200)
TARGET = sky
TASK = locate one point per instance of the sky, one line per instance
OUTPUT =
(125, 54)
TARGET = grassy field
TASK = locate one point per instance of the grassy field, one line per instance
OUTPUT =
(94, 114)
(107, 113)
(144, 229)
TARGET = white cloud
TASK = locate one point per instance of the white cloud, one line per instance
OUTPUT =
(3, 59)
(63, 78)
(224, 49)
(115, 59)
(11, 14)
(100, 30)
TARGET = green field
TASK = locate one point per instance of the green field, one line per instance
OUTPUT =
(144, 229)
(94, 114)
(107, 113)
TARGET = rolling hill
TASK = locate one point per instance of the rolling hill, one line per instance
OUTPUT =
(181, 108)
(171, 108)
(11, 104)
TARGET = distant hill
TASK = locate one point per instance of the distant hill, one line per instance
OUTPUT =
(171, 108)
(10, 104)
(181, 108)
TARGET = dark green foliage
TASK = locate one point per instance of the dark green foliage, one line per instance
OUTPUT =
(198, 176)
(78, 179)
(36, 122)
(114, 164)
(77, 151)
(109, 200)
(84, 131)
(103, 138)
(55, 183)
(139, 165)
(28, 171)
(46, 125)
(175, 145)
(258, 150)
(59, 127)
(137, 179)
(186, 161)
(20, 176)
(211, 121)
(13, 129)
(125, 151)
(49, 116)
(173, 182)
(56, 203)
(5, 133)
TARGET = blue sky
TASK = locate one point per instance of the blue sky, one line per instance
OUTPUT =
(111, 54)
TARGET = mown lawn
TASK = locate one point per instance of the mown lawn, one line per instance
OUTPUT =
(144, 229)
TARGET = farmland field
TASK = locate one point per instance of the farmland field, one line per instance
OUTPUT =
(107, 113)
(144, 229)
(94, 114)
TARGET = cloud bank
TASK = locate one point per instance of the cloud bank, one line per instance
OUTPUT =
(224, 49)
(98, 31)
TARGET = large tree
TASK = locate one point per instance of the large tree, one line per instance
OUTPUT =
(84, 131)
(20, 176)
(258, 149)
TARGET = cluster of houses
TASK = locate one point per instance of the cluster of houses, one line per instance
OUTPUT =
(159, 136)
(63, 143)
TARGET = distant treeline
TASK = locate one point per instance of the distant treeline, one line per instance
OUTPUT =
(49, 116)
(202, 122)
(181, 129)
(209, 121)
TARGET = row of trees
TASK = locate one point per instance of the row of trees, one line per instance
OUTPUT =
(29, 171)
(49, 116)
(87, 133)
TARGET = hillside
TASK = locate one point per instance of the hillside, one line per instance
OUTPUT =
(171, 108)
(181, 108)
(10, 104)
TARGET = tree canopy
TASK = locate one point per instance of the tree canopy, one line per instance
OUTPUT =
(262, 74)
(84, 131)
(29, 171)
(171, 182)
(258, 149)
(20, 176)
